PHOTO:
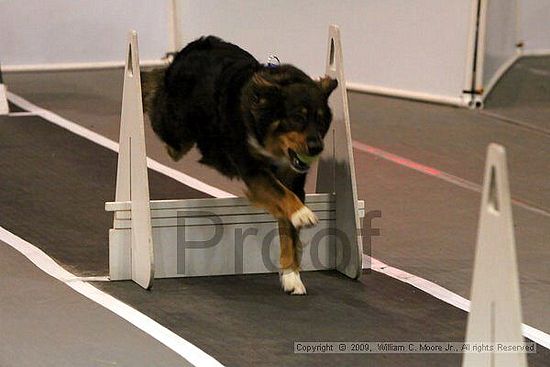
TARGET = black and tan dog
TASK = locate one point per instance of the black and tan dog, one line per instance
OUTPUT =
(249, 121)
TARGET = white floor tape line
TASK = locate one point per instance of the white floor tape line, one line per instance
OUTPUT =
(427, 286)
(538, 336)
(19, 114)
(176, 343)
(112, 145)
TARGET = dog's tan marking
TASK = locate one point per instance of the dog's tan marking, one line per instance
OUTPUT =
(260, 81)
(269, 193)
(291, 254)
(291, 246)
(327, 84)
(278, 144)
(293, 140)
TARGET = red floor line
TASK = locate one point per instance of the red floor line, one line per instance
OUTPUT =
(434, 172)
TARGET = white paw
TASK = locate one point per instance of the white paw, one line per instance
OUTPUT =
(291, 282)
(303, 217)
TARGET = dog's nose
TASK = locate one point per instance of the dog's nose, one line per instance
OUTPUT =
(314, 145)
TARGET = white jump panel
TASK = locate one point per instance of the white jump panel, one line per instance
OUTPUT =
(132, 180)
(336, 171)
(202, 237)
(495, 315)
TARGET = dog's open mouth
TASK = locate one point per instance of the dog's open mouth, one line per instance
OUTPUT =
(296, 163)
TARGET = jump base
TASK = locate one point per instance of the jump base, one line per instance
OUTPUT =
(220, 236)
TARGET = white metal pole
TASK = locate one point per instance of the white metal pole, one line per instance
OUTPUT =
(175, 34)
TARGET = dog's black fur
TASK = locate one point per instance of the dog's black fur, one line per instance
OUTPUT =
(208, 96)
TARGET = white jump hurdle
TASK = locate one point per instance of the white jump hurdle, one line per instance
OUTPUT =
(200, 237)
(495, 315)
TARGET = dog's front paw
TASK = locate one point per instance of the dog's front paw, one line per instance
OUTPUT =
(303, 217)
(291, 282)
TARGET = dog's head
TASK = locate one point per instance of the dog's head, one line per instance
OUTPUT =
(288, 114)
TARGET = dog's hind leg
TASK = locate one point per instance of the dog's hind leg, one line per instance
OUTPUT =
(291, 254)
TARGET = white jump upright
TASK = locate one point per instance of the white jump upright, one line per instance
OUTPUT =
(495, 315)
(336, 170)
(223, 236)
(4, 108)
(132, 182)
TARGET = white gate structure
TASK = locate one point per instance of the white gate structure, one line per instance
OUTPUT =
(221, 236)
(495, 314)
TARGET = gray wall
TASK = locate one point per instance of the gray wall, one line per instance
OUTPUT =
(535, 24)
(68, 31)
(419, 46)
(500, 37)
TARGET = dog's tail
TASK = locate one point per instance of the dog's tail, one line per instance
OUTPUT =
(151, 81)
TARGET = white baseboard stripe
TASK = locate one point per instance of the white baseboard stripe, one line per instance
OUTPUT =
(176, 343)
(406, 94)
(358, 87)
(21, 114)
(535, 52)
(77, 66)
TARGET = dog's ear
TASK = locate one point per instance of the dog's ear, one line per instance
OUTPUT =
(262, 86)
(327, 85)
(266, 93)
(260, 81)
